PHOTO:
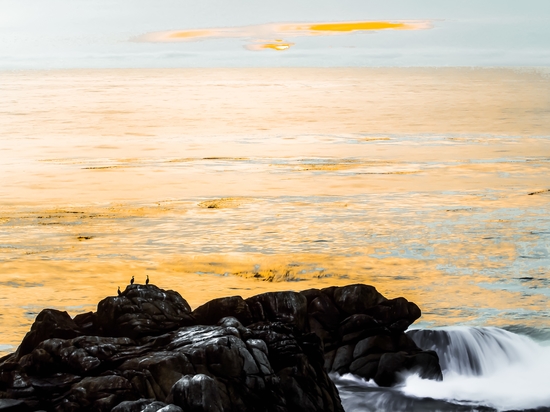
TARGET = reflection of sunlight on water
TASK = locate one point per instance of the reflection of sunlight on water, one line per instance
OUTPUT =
(456, 255)
(210, 205)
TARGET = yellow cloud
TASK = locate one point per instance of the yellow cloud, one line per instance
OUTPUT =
(261, 32)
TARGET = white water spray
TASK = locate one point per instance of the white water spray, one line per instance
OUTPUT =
(484, 366)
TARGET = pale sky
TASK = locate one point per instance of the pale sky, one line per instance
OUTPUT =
(42, 34)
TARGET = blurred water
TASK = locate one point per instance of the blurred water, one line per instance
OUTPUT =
(484, 369)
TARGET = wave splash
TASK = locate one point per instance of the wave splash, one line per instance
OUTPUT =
(484, 369)
(488, 367)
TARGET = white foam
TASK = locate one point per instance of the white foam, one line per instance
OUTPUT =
(487, 366)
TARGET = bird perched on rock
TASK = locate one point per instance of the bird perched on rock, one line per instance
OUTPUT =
(132, 281)
(119, 292)
(147, 280)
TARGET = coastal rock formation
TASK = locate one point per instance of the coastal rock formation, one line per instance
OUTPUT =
(145, 350)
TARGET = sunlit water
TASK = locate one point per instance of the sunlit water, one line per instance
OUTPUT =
(428, 184)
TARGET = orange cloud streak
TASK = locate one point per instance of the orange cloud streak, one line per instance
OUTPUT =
(262, 32)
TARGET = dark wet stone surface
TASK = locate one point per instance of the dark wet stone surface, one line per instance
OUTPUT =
(145, 350)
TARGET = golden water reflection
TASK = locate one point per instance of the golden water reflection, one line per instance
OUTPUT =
(428, 184)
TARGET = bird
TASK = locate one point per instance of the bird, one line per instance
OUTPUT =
(147, 280)
(132, 281)
(119, 292)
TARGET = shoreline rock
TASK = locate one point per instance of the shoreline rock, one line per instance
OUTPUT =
(146, 350)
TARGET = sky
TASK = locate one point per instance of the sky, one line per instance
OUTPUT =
(46, 34)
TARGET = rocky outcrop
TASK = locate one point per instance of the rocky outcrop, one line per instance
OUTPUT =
(363, 333)
(145, 350)
(142, 311)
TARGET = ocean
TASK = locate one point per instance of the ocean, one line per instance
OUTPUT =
(430, 184)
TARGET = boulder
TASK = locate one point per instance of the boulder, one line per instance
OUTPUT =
(358, 298)
(325, 312)
(50, 323)
(199, 393)
(142, 310)
(289, 308)
(357, 326)
(426, 364)
(211, 312)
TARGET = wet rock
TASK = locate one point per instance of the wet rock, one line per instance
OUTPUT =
(285, 307)
(398, 314)
(357, 325)
(145, 350)
(426, 364)
(49, 323)
(211, 312)
(366, 366)
(324, 311)
(355, 299)
(198, 393)
(13, 405)
(342, 359)
(143, 310)
(374, 344)
(389, 363)
(86, 322)
(145, 405)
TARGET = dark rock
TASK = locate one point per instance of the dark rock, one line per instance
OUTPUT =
(342, 359)
(49, 323)
(167, 408)
(405, 343)
(311, 294)
(145, 350)
(211, 312)
(329, 292)
(366, 366)
(145, 405)
(374, 344)
(101, 393)
(143, 310)
(86, 322)
(198, 393)
(387, 367)
(355, 299)
(397, 313)
(426, 364)
(358, 322)
(323, 310)
(13, 405)
(326, 336)
(286, 307)
(359, 326)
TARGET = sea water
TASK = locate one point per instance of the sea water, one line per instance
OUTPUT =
(430, 184)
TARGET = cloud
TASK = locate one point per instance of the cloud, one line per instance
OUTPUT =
(269, 36)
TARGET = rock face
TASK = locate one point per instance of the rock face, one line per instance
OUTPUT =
(147, 351)
(363, 333)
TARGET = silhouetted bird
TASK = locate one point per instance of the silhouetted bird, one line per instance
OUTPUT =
(119, 292)
(132, 281)
(147, 280)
